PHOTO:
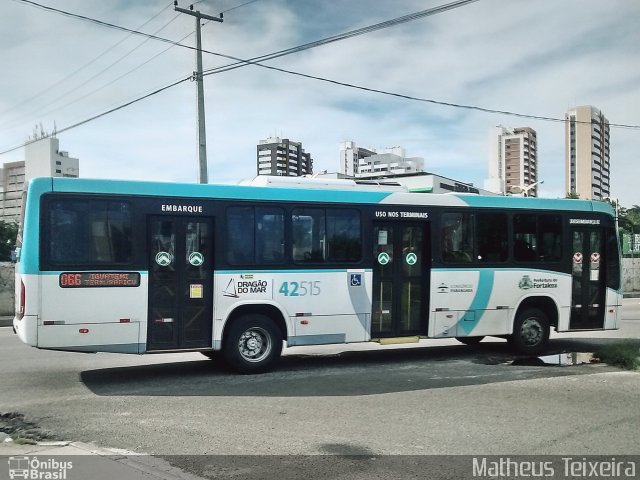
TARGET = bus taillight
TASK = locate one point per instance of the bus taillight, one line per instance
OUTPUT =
(20, 312)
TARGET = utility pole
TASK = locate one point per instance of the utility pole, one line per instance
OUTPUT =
(197, 76)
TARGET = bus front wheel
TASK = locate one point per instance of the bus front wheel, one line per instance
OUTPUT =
(530, 331)
(253, 344)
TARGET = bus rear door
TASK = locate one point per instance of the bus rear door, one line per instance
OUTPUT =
(588, 291)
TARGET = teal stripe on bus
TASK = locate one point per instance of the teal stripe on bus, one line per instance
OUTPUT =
(537, 203)
(231, 192)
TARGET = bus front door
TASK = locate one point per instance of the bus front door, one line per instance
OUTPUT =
(400, 279)
(180, 283)
(588, 290)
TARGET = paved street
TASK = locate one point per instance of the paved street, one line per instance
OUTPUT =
(437, 398)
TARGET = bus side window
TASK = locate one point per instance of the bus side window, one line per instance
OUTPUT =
(269, 235)
(309, 235)
(240, 243)
(491, 232)
(537, 238)
(344, 238)
(457, 238)
(89, 232)
(524, 238)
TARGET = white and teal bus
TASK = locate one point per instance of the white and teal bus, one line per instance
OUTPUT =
(236, 271)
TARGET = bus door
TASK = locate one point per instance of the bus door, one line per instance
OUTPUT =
(180, 283)
(588, 291)
(401, 267)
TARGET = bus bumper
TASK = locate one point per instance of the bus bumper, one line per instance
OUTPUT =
(27, 329)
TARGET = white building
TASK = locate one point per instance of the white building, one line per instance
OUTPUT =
(362, 162)
(42, 159)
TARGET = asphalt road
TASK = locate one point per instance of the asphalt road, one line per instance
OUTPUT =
(436, 398)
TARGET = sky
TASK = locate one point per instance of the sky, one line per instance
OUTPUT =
(537, 58)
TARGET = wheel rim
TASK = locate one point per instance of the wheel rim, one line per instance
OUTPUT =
(254, 344)
(531, 331)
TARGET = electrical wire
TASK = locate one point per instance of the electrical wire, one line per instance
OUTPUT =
(94, 76)
(346, 35)
(107, 112)
(303, 75)
(435, 102)
(78, 70)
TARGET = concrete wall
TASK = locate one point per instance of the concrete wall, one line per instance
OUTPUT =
(631, 275)
(7, 287)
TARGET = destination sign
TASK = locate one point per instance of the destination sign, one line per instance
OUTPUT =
(99, 279)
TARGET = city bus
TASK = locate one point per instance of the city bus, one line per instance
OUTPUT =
(237, 272)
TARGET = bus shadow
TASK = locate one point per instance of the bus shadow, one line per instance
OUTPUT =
(351, 373)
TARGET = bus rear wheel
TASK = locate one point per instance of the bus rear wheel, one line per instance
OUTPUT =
(253, 344)
(530, 332)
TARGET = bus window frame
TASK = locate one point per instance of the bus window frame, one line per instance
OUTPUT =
(46, 263)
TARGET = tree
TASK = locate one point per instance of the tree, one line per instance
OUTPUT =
(8, 234)
(573, 195)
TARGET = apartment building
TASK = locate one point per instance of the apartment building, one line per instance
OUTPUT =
(284, 157)
(513, 161)
(587, 153)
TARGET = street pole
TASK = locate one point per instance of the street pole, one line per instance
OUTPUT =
(197, 76)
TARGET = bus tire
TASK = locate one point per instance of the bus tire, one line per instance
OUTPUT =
(253, 344)
(469, 340)
(530, 331)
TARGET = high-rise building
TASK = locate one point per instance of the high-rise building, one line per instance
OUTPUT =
(350, 157)
(513, 161)
(361, 162)
(587, 153)
(42, 159)
(283, 157)
(11, 188)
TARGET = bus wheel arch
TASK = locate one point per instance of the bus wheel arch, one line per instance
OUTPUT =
(532, 325)
(252, 338)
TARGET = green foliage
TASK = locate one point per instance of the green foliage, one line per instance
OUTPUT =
(629, 219)
(573, 195)
(8, 234)
(624, 354)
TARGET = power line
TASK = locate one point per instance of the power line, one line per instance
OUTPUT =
(428, 100)
(94, 76)
(346, 35)
(313, 77)
(238, 6)
(95, 117)
(379, 26)
(76, 71)
(336, 82)
(101, 23)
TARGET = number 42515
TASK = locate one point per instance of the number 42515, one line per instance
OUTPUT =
(300, 289)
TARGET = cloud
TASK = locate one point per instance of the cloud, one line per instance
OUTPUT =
(532, 57)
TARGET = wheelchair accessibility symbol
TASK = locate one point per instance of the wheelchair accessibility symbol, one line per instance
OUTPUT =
(355, 279)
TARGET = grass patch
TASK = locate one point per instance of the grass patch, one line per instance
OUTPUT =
(624, 354)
